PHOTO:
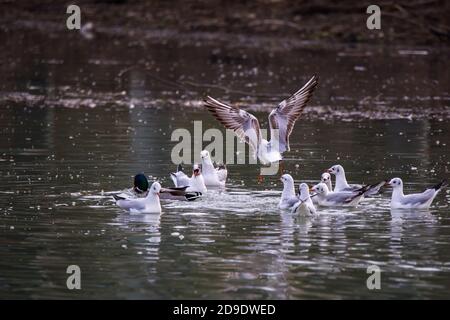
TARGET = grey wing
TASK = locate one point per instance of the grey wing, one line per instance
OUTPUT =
(222, 174)
(292, 201)
(296, 205)
(374, 188)
(282, 119)
(244, 124)
(419, 198)
(352, 188)
(342, 197)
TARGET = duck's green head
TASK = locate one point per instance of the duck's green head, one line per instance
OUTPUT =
(140, 183)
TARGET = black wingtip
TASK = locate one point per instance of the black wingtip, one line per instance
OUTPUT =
(363, 189)
(222, 166)
(180, 167)
(440, 185)
(117, 197)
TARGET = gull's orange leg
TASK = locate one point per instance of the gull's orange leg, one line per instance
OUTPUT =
(281, 167)
(260, 178)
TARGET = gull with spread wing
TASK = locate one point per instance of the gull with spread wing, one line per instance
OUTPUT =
(281, 120)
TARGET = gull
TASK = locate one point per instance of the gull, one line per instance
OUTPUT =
(149, 204)
(288, 197)
(305, 205)
(214, 177)
(416, 200)
(342, 185)
(324, 178)
(195, 183)
(281, 121)
(338, 198)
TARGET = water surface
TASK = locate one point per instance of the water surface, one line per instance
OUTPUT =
(79, 120)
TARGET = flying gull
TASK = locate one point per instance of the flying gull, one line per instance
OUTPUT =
(281, 121)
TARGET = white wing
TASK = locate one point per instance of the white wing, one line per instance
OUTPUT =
(244, 124)
(128, 204)
(180, 179)
(343, 197)
(418, 198)
(222, 174)
(288, 111)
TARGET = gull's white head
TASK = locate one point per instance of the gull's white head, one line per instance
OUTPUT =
(287, 179)
(304, 191)
(196, 170)
(325, 177)
(337, 170)
(320, 188)
(396, 183)
(155, 189)
(204, 154)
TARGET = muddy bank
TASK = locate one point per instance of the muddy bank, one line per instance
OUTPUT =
(419, 22)
(154, 56)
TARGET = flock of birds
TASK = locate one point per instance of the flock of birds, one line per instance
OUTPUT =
(143, 198)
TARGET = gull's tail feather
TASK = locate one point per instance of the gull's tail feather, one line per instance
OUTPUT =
(180, 167)
(117, 197)
(358, 193)
(363, 189)
(274, 157)
(375, 188)
(440, 185)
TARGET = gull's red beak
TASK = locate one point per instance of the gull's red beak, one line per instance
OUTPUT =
(329, 170)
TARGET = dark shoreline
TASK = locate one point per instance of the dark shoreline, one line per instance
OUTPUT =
(423, 22)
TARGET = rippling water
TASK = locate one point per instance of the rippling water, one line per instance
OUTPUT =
(79, 119)
(58, 166)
